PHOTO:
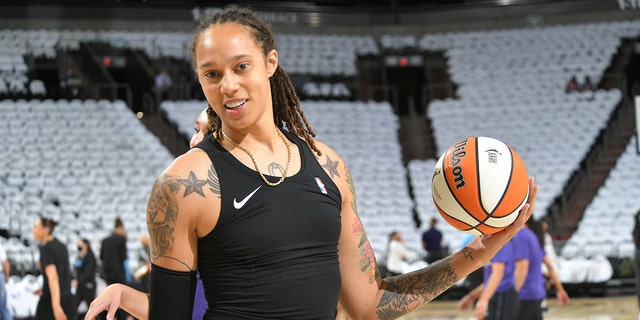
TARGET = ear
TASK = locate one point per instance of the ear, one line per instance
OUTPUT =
(272, 62)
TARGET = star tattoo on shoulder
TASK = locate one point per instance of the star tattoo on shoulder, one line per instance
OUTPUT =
(192, 185)
(332, 167)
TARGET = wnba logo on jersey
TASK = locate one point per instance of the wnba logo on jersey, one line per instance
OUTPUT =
(321, 185)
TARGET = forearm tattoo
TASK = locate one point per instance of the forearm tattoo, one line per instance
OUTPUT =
(407, 292)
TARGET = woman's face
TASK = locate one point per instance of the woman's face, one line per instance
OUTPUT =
(199, 128)
(38, 230)
(81, 246)
(234, 75)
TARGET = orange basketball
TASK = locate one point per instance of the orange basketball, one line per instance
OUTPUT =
(479, 185)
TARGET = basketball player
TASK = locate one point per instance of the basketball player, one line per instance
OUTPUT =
(266, 213)
(530, 282)
(496, 298)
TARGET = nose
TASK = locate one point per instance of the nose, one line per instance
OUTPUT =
(229, 84)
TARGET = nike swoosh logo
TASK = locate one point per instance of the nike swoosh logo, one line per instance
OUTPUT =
(241, 204)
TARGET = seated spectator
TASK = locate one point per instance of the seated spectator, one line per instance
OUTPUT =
(587, 85)
(572, 85)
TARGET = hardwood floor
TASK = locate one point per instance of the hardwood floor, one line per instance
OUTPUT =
(604, 308)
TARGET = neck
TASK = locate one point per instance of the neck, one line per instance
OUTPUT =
(47, 238)
(255, 139)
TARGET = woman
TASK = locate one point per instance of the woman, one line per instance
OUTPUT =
(497, 298)
(396, 254)
(283, 240)
(530, 282)
(56, 301)
(85, 268)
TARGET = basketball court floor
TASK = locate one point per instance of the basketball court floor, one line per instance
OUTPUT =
(624, 307)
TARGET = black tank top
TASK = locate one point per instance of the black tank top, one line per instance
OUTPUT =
(274, 251)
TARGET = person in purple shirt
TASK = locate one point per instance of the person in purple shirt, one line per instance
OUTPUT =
(529, 280)
(496, 298)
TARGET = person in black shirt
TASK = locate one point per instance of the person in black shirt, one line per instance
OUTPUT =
(113, 254)
(636, 263)
(85, 267)
(56, 300)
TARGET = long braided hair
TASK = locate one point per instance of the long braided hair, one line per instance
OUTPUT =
(286, 104)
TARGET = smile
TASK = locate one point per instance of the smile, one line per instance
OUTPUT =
(236, 104)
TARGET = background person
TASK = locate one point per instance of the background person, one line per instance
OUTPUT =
(432, 242)
(56, 301)
(636, 260)
(85, 269)
(496, 298)
(530, 282)
(5, 269)
(396, 254)
(113, 254)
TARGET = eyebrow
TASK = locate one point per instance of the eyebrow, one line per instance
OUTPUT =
(234, 58)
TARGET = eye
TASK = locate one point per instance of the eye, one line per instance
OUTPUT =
(243, 66)
(195, 130)
(210, 74)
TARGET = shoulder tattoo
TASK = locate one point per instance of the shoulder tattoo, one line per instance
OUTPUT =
(212, 180)
(192, 185)
(331, 167)
(162, 212)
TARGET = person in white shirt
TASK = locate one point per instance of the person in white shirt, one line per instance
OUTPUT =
(397, 254)
(5, 314)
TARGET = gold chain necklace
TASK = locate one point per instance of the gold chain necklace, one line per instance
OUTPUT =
(255, 163)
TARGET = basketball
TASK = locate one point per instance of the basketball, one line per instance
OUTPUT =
(479, 185)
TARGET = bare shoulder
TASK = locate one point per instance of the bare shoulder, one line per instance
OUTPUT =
(180, 197)
(336, 167)
(331, 161)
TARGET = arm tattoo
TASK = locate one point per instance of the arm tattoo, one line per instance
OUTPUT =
(162, 212)
(407, 292)
(352, 188)
(332, 167)
(467, 253)
(367, 262)
(212, 180)
(192, 185)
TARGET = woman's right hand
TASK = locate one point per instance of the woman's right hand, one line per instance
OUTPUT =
(108, 300)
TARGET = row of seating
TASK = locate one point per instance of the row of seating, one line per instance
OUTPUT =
(82, 163)
(607, 224)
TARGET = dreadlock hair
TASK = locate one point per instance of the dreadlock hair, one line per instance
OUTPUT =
(286, 104)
